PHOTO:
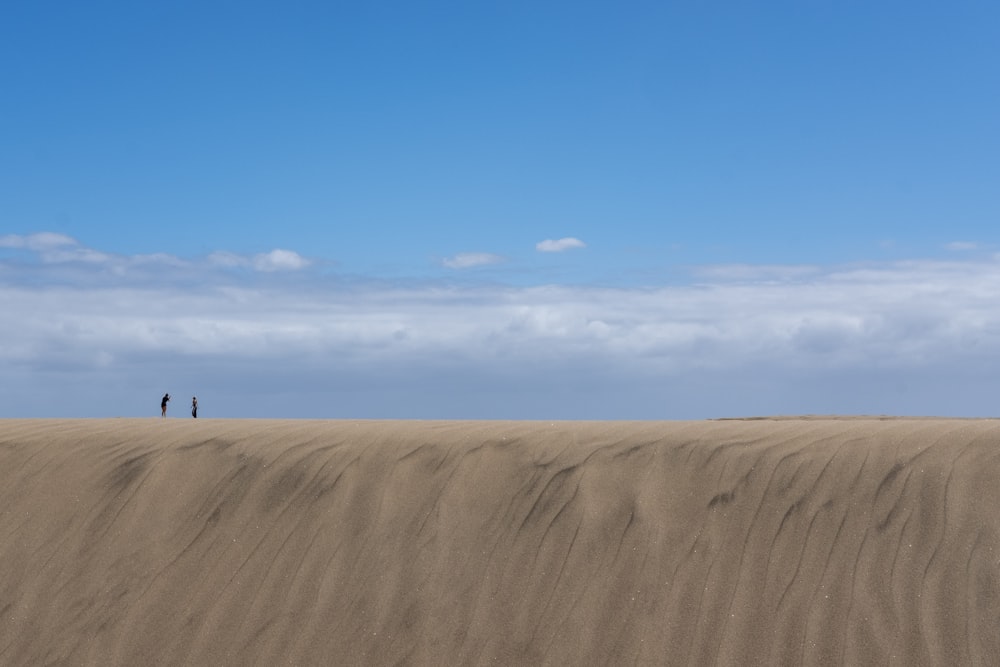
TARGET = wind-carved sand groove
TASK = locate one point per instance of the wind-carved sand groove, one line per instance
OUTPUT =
(262, 542)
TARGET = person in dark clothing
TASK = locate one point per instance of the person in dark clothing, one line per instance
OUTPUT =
(194, 407)
(163, 405)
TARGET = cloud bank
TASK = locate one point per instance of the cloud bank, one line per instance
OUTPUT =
(914, 337)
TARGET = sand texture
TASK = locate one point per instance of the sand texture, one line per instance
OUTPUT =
(797, 541)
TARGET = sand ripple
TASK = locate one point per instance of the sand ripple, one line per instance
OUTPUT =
(262, 542)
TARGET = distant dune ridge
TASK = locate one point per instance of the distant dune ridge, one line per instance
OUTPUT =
(265, 542)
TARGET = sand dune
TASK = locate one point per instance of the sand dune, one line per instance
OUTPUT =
(259, 542)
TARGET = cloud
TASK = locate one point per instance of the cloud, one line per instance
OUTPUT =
(54, 248)
(227, 260)
(559, 245)
(756, 272)
(962, 246)
(280, 260)
(41, 241)
(905, 337)
(276, 260)
(467, 260)
(55, 259)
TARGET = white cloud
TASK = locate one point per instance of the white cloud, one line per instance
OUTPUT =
(559, 245)
(39, 242)
(54, 248)
(227, 259)
(468, 260)
(62, 259)
(276, 260)
(915, 336)
(280, 260)
(962, 245)
(756, 272)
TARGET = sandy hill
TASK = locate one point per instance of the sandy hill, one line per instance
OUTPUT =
(262, 542)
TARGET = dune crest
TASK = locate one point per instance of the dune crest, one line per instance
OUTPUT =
(760, 541)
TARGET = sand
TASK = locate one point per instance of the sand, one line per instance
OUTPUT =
(813, 541)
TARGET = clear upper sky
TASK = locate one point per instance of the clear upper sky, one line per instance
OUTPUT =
(664, 189)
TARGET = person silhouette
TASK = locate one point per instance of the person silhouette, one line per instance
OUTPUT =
(194, 407)
(163, 405)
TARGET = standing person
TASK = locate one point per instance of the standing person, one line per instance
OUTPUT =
(163, 405)
(194, 407)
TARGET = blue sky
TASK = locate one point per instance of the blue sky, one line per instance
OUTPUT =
(511, 210)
